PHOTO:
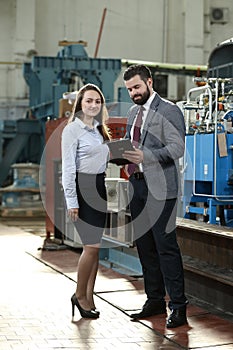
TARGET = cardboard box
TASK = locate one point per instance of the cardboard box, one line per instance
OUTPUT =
(65, 108)
(222, 145)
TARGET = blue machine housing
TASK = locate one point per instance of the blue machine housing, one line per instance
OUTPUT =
(208, 176)
(210, 179)
(49, 77)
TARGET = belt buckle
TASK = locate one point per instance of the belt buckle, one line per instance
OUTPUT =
(138, 175)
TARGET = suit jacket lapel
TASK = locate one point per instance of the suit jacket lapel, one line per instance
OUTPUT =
(132, 117)
(150, 116)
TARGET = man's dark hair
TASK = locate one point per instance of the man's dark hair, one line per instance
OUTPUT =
(138, 69)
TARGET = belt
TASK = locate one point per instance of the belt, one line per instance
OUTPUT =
(90, 174)
(138, 176)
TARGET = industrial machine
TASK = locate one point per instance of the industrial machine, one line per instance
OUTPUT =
(48, 78)
(208, 161)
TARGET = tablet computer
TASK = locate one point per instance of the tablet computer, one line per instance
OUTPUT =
(117, 148)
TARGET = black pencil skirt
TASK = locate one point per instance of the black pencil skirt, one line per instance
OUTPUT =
(92, 198)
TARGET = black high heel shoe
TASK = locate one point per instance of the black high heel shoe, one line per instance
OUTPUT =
(96, 311)
(83, 313)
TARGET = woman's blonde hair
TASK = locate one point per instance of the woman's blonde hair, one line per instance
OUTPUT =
(102, 117)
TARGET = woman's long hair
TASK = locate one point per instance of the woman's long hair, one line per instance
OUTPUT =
(102, 117)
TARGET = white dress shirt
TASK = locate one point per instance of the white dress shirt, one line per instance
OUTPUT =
(145, 113)
(82, 151)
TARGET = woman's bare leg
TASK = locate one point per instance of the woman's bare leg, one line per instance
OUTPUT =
(85, 274)
(91, 281)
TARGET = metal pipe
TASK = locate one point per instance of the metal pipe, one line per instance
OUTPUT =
(206, 87)
(215, 137)
(13, 63)
(165, 26)
(215, 143)
(100, 32)
(174, 66)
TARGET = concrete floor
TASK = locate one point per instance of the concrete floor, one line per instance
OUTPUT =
(35, 307)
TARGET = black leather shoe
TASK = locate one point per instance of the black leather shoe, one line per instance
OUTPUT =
(177, 318)
(151, 308)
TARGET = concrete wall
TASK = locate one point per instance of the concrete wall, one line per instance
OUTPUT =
(153, 30)
(127, 24)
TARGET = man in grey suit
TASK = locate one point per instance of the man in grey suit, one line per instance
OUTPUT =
(153, 190)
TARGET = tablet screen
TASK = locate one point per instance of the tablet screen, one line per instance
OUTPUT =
(117, 148)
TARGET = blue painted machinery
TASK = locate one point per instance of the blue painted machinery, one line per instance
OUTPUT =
(208, 160)
(208, 178)
(48, 78)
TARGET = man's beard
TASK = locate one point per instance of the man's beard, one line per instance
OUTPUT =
(143, 98)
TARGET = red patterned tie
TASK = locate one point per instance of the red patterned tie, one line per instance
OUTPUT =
(136, 137)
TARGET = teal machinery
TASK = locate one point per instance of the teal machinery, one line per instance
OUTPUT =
(48, 78)
(208, 161)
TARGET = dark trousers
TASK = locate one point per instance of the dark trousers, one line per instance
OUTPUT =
(154, 224)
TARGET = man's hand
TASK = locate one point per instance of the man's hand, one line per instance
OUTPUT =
(73, 214)
(134, 156)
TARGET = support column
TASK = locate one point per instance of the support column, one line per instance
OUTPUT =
(24, 45)
(194, 34)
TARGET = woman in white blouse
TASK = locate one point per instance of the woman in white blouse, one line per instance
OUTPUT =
(84, 160)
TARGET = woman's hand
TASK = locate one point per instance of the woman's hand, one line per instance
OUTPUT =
(73, 214)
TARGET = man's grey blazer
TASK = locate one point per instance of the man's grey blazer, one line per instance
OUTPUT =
(163, 143)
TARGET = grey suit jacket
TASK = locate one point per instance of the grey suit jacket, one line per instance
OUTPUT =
(163, 143)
